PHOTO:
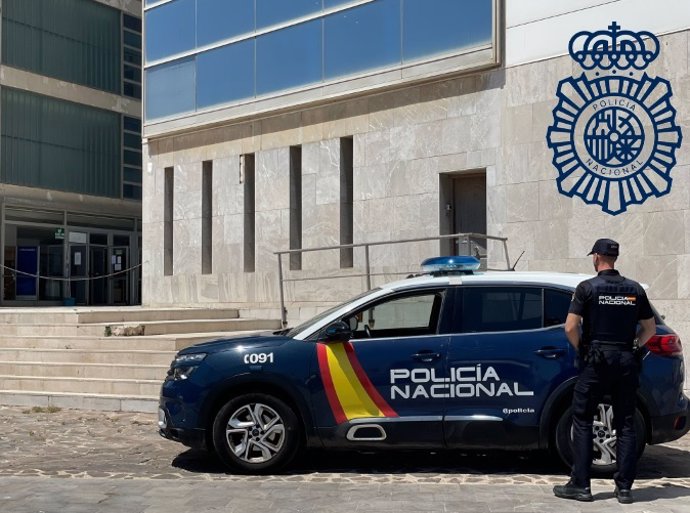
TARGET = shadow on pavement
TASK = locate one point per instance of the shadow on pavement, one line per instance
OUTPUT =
(657, 462)
(650, 494)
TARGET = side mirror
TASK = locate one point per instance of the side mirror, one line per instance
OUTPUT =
(338, 332)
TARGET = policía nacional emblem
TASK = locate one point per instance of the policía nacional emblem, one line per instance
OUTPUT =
(614, 135)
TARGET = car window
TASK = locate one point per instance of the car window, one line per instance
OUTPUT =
(556, 305)
(500, 309)
(401, 316)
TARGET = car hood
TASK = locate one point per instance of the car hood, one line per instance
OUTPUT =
(258, 340)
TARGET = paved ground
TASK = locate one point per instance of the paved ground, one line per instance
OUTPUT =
(74, 461)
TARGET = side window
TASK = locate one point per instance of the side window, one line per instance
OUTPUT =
(400, 316)
(556, 304)
(501, 309)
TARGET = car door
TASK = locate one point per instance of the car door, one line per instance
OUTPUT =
(378, 388)
(507, 357)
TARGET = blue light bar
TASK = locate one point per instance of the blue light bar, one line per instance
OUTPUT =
(450, 264)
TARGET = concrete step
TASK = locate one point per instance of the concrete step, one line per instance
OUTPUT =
(81, 400)
(77, 315)
(166, 343)
(149, 327)
(104, 356)
(83, 370)
(172, 342)
(117, 387)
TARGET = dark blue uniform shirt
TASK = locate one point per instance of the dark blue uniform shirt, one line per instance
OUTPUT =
(610, 306)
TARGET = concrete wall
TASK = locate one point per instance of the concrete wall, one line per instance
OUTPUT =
(403, 140)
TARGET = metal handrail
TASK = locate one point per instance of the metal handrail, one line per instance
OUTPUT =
(368, 274)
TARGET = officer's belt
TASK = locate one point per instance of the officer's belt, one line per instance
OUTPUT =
(611, 344)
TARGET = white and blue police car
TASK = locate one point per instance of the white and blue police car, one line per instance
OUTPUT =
(450, 359)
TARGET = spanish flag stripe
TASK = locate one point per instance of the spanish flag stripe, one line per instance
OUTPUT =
(354, 400)
(332, 397)
(366, 382)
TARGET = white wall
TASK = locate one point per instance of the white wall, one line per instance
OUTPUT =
(539, 29)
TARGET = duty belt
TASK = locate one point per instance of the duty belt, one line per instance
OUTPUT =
(612, 344)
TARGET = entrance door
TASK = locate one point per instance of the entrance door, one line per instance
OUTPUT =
(463, 210)
(27, 262)
(79, 269)
(119, 262)
(98, 262)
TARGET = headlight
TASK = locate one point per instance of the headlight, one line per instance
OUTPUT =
(185, 364)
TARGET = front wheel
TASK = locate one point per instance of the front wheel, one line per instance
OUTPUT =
(603, 436)
(256, 434)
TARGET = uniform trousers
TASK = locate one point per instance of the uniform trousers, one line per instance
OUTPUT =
(613, 373)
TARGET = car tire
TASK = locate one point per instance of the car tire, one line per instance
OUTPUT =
(603, 462)
(256, 434)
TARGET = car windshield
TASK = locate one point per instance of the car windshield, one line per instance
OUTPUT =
(297, 329)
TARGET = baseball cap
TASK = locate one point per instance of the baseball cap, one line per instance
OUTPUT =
(606, 247)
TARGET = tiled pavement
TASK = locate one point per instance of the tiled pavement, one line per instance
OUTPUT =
(74, 461)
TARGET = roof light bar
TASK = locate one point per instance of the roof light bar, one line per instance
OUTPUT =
(450, 264)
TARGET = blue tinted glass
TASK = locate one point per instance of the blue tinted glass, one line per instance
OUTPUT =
(170, 29)
(270, 12)
(288, 58)
(362, 38)
(225, 74)
(170, 89)
(436, 26)
(221, 19)
(334, 3)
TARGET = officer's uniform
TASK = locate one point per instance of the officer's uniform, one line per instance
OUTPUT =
(611, 307)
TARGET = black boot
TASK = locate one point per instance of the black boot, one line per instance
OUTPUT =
(570, 491)
(623, 496)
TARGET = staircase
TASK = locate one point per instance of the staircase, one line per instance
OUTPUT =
(81, 358)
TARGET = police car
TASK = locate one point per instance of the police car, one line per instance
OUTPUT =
(452, 359)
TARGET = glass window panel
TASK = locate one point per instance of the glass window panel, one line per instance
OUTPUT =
(132, 39)
(130, 191)
(170, 89)
(132, 157)
(59, 145)
(438, 26)
(132, 73)
(132, 124)
(486, 309)
(221, 19)
(131, 22)
(170, 29)
(132, 56)
(131, 90)
(334, 3)
(225, 74)
(272, 12)
(556, 305)
(362, 38)
(44, 36)
(132, 140)
(288, 58)
(132, 175)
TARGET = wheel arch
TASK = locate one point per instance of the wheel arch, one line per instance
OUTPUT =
(253, 384)
(561, 399)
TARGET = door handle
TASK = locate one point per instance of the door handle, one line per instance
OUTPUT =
(426, 356)
(550, 352)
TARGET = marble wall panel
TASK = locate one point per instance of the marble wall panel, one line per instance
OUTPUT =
(522, 202)
(552, 204)
(272, 169)
(371, 182)
(664, 233)
(228, 190)
(187, 191)
(455, 136)
(414, 177)
(660, 273)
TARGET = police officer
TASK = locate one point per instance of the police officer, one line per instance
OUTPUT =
(608, 307)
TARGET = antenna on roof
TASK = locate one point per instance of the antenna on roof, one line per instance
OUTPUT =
(518, 259)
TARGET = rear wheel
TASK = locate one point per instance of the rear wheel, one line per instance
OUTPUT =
(603, 436)
(256, 433)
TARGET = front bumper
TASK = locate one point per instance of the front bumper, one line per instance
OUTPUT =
(191, 437)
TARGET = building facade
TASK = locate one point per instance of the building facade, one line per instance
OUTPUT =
(70, 159)
(323, 122)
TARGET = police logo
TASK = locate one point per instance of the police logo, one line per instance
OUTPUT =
(614, 134)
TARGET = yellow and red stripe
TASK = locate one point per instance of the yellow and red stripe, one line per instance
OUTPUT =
(350, 392)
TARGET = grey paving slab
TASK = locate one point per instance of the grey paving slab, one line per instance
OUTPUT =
(73, 461)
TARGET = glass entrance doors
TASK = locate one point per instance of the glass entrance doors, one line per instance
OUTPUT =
(98, 269)
(78, 269)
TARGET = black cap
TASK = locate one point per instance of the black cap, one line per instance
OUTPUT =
(606, 247)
